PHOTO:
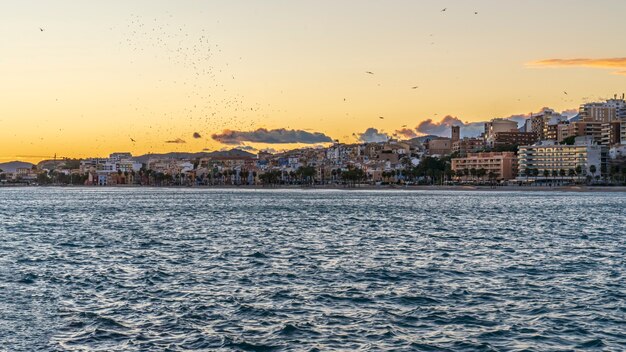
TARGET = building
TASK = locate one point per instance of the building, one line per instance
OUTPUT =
(513, 138)
(468, 145)
(503, 165)
(605, 121)
(440, 146)
(557, 162)
(543, 124)
(456, 133)
(499, 125)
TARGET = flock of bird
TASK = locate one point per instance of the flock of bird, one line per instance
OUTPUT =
(200, 76)
(199, 73)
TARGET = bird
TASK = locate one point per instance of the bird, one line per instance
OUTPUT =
(475, 13)
(369, 72)
(381, 117)
(414, 87)
(444, 9)
(40, 29)
(403, 126)
(564, 92)
(132, 140)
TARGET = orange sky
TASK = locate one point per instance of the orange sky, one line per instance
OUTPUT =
(101, 73)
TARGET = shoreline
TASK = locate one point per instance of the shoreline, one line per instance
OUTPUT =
(465, 188)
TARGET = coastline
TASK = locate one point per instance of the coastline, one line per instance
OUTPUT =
(465, 188)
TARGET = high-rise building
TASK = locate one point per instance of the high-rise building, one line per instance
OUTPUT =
(605, 121)
(543, 124)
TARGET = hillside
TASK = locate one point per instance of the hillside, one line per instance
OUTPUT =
(12, 166)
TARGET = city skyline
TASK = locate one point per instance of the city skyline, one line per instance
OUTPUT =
(88, 79)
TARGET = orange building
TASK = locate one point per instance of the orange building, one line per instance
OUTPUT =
(502, 164)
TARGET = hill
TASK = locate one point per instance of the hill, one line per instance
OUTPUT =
(12, 166)
(233, 153)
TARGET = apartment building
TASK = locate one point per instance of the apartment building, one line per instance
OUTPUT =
(502, 164)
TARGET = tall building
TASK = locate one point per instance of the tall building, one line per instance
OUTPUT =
(543, 124)
(550, 158)
(502, 132)
(605, 121)
(456, 133)
(502, 164)
(499, 125)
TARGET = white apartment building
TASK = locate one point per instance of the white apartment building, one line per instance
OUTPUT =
(547, 155)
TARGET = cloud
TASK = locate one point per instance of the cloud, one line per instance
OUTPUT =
(443, 127)
(176, 141)
(196, 135)
(276, 136)
(371, 135)
(616, 62)
(406, 133)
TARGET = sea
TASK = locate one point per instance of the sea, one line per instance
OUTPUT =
(187, 269)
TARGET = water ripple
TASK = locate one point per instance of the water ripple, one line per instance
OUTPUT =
(205, 270)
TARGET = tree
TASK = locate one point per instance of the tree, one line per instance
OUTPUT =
(354, 175)
(43, 178)
(593, 170)
(579, 170)
(569, 140)
(546, 173)
(481, 173)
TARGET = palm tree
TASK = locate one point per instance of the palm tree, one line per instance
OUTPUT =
(571, 173)
(481, 173)
(527, 171)
(491, 176)
(593, 170)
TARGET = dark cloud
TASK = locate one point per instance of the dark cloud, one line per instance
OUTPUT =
(372, 135)
(247, 148)
(196, 135)
(176, 141)
(276, 136)
(469, 129)
(406, 133)
(443, 127)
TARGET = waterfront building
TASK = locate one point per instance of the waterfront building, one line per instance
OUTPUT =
(555, 162)
(502, 165)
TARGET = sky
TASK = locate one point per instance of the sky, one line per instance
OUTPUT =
(86, 78)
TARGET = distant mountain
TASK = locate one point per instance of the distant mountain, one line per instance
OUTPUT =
(12, 166)
(237, 153)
